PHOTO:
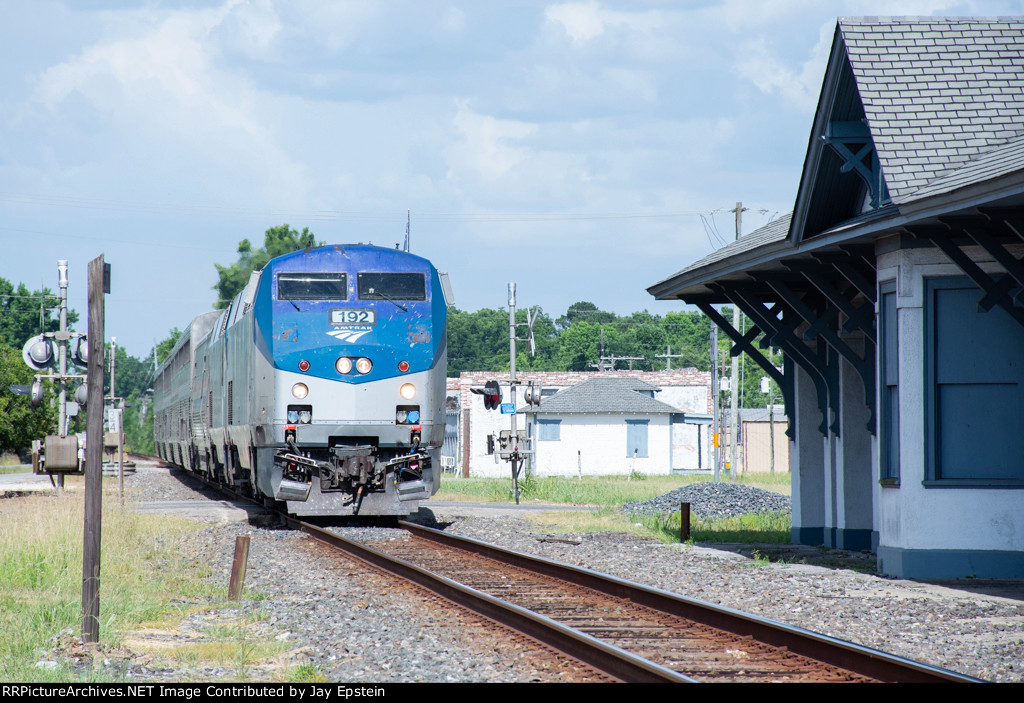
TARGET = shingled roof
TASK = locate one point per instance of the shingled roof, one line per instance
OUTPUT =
(943, 102)
(605, 395)
(937, 92)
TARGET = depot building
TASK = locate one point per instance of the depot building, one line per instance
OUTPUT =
(896, 290)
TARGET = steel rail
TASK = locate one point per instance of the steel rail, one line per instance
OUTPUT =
(868, 662)
(604, 657)
(865, 661)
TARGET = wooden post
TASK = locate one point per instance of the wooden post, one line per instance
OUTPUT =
(238, 567)
(684, 522)
(93, 458)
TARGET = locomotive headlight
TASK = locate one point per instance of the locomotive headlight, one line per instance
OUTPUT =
(407, 391)
(364, 365)
(343, 364)
(300, 390)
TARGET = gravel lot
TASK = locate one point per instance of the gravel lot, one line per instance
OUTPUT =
(358, 627)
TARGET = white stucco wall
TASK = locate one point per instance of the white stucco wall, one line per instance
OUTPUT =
(601, 443)
(912, 516)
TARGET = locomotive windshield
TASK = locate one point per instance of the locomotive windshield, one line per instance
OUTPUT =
(312, 286)
(392, 286)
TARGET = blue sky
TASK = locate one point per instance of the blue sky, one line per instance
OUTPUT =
(585, 150)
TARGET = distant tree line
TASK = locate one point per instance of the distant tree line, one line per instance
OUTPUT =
(584, 338)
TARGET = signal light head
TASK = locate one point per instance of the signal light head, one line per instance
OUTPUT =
(492, 395)
(39, 353)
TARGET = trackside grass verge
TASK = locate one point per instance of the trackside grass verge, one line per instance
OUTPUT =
(144, 579)
(773, 528)
(603, 491)
(610, 493)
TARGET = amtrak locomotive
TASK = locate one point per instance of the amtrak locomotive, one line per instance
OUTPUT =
(322, 385)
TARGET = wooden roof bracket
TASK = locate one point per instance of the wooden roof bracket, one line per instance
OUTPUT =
(783, 336)
(864, 365)
(742, 344)
(997, 288)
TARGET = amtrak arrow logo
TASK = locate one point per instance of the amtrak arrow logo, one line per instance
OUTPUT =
(348, 335)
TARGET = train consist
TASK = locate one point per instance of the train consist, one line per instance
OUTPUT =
(322, 385)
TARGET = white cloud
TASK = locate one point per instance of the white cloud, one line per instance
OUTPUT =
(168, 87)
(798, 84)
(585, 21)
(485, 144)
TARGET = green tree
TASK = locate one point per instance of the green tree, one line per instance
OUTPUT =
(277, 241)
(164, 348)
(584, 311)
(20, 313)
(132, 376)
(477, 341)
(20, 423)
(688, 333)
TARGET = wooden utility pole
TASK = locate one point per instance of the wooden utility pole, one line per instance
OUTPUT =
(93, 456)
(668, 356)
(734, 384)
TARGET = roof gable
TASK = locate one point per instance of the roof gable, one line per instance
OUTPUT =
(934, 94)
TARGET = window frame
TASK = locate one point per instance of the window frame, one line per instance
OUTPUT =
(360, 295)
(931, 406)
(549, 426)
(633, 439)
(341, 277)
(888, 387)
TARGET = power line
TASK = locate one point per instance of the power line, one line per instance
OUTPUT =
(329, 215)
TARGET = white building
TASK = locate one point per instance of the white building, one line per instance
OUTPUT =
(683, 397)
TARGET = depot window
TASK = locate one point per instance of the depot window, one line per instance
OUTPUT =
(974, 389)
(312, 286)
(392, 286)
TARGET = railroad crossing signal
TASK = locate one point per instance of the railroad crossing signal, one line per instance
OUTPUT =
(491, 393)
(39, 353)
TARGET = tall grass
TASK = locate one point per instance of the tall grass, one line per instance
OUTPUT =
(41, 576)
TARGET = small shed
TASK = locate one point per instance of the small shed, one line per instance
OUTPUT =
(603, 426)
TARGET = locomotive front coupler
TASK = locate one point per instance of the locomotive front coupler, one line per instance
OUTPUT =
(410, 466)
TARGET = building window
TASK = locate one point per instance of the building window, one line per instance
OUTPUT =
(636, 438)
(888, 362)
(974, 389)
(549, 430)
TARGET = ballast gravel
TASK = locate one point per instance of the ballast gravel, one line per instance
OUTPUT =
(713, 500)
(334, 618)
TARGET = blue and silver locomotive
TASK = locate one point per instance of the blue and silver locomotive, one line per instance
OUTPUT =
(322, 385)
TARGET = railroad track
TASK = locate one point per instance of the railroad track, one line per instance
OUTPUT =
(628, 631)
(631, 632)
